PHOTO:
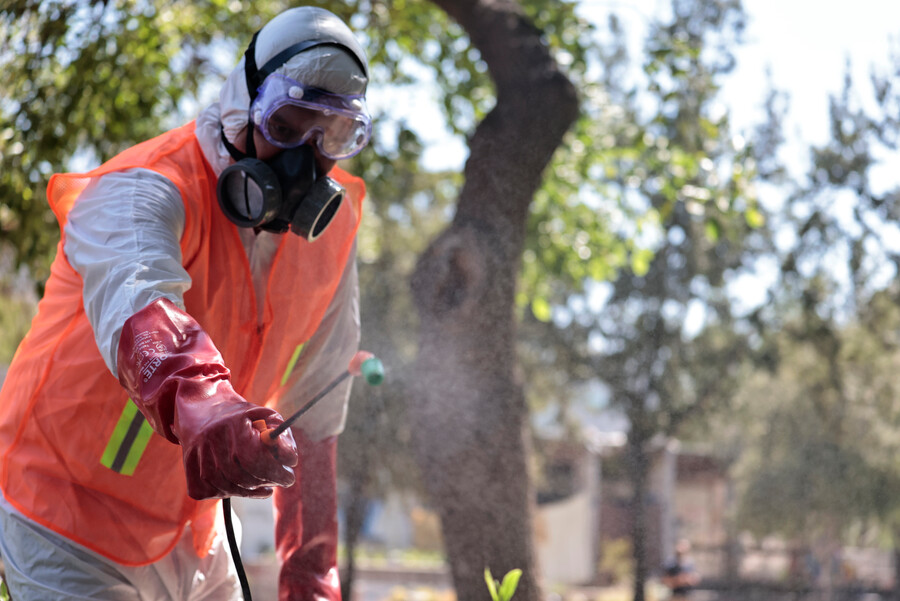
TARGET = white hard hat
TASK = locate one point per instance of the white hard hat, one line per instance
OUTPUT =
(321, 52)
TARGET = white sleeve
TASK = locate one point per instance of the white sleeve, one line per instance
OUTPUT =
(123, 237)
(324, 357)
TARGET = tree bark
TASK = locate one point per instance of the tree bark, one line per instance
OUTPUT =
(355, 512)
(639, 474)
(468, 410)
(896, 562)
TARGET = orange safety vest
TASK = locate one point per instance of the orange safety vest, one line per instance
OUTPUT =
(75, 453)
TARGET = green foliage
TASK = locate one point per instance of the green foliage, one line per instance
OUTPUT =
(655, 195)
(821, 441)
(412, 36)
(87, 79)
(505, 590)
(642, 160)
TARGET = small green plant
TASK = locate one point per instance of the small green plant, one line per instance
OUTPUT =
(505, 590)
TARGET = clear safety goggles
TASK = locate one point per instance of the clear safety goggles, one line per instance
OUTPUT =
(289, 113)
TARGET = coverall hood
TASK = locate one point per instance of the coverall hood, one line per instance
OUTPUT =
(331, 68)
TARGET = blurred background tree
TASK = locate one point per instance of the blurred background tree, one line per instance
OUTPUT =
(820, 437)
(662, 335)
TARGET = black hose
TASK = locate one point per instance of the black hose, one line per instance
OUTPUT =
(235, 552)
(226, 503)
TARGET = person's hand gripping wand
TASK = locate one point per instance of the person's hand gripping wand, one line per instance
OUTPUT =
(363, 364)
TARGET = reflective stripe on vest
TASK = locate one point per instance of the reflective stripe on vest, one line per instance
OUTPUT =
(292, 363)
(128, 441)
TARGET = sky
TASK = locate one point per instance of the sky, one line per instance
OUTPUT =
(801, 48)
(804, 43)
(808, 57)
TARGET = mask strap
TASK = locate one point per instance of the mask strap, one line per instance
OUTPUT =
(236, 154)
(255, 76)
(251, 74)
(285, 55)
(250, 70)
(251, 146)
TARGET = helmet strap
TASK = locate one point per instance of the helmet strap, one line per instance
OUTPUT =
(256, 76)
(236, 154)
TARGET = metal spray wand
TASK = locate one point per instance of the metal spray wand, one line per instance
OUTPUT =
(363, 364)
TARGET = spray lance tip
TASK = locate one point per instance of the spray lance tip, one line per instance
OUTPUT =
(363, 363)
(367, 365)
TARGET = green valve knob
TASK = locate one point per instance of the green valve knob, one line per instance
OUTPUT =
(373, 371)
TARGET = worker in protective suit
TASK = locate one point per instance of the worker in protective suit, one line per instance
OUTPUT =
(205, 280)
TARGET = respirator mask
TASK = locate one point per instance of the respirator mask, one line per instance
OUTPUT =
(286, 193)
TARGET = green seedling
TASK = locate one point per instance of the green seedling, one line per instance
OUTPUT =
(505, 590)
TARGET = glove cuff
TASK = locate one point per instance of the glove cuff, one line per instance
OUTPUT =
(163, 353)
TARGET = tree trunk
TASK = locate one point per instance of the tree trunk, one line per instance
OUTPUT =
(355, 513)
(468, 411)
(639, 473)
(733, 549)
(896, 557)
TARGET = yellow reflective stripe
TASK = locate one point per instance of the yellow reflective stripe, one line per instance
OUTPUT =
(292, 363)
(137, 449)
(128, 441)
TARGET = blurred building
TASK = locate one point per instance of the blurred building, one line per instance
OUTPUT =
(586, 507)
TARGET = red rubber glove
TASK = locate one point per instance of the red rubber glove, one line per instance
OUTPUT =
(177, 378)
